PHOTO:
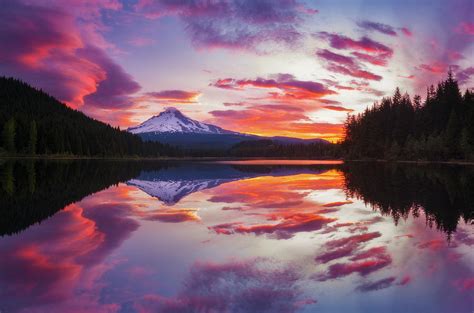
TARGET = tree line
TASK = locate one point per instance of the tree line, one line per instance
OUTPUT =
(400, 127)
(34, 123)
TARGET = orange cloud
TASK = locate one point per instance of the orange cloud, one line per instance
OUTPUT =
(337, 108)
(276, 120)
(170, 97)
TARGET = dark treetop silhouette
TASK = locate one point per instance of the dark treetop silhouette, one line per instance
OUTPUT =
(440, 128)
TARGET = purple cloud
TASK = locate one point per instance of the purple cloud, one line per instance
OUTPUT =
(349, 66)
(376, 285)
(463, 76)
(243, 24)
(255, 285)
(379, 27)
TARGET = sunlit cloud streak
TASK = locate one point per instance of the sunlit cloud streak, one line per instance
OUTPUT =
(364, 44)
(286, 229)
(170, 97)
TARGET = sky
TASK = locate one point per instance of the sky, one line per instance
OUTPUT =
(272, 68)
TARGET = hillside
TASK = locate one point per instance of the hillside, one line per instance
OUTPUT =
(32, 122)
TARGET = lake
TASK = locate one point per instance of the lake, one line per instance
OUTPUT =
(122, 236)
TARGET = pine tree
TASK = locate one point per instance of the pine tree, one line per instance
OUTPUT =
(8, 135)
(33, 138)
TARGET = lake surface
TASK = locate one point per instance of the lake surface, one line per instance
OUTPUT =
(101, 236)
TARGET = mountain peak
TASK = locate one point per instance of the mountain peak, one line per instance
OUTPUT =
(171, 120)
(171, 110)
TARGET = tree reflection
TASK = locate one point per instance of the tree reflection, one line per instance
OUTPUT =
(34, 190)
(444, 193)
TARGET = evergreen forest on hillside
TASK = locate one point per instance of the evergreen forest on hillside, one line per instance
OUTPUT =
(34, 123)
(439, 128)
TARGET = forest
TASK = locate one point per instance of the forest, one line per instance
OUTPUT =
(439, 128)
(34, 123)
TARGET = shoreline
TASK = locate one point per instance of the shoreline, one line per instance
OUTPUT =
(417, 162)
(67, 157)
(59, 157)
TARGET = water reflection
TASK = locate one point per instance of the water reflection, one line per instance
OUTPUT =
(171, 237)
(444, 194)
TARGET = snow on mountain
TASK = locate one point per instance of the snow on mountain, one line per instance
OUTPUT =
(171, 192)
(173, 121)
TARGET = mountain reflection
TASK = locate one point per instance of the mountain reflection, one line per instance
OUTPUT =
(34, 190)
(171, 184)
(206, 237)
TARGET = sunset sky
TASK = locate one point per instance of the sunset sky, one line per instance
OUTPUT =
(282, 67)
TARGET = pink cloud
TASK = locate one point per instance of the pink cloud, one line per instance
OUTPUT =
(348, 66)
(354, 72)
(365, 50)
(435, 67)
(464, 284)
(372, 59)
(285, 229)
(465, 28)
(407, 32)
(51, 52)
(435, 244)
(405, 280)
(364, 44)
(291, 87)
(335, 57)
(362, 262)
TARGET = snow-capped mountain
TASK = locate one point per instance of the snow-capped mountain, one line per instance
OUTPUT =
(174, 128)
(173, 121)
(171, 192)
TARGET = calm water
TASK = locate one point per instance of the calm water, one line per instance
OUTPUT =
(235, 237)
